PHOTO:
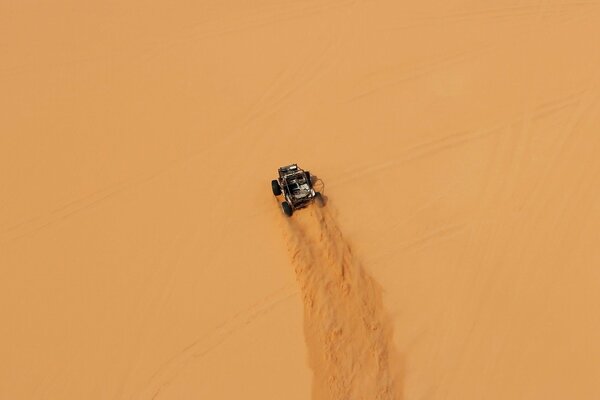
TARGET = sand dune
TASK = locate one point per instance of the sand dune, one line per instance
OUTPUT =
(142, 255)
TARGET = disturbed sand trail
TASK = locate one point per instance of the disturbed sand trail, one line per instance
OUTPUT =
(348, 333)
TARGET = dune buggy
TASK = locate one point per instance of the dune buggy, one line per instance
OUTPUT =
(296, 186)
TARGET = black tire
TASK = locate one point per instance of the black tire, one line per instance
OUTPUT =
(309, 179)
(275, 187)
(287, 209)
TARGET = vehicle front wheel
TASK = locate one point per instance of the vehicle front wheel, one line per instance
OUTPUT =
(275, 187)
(287, 209)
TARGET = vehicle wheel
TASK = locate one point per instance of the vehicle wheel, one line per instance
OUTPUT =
(308, 178)
(275, 187)
(287, 209)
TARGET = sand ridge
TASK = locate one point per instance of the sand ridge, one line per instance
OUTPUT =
(347, 330)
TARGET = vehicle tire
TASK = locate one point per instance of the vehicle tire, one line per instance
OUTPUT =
(309, 179)
(275, 187)
(287, 209)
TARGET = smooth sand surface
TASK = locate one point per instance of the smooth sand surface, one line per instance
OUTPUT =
(143, 256)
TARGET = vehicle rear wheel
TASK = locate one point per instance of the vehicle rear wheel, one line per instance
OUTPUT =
(275, 187)
(287, 209)
(308, 179)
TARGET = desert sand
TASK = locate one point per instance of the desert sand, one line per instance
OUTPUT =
(143, 255)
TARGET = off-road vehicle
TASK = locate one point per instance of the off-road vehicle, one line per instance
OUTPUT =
(296, 186)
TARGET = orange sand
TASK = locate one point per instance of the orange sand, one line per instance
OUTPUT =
(144, 257)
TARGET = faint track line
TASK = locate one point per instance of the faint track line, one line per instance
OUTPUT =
(240, 24)
(420, 151)
(419, 71)
(208, 342)
(437, 234)
(583, 106)
(485, 15)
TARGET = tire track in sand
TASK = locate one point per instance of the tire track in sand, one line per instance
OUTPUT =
(347, 331)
